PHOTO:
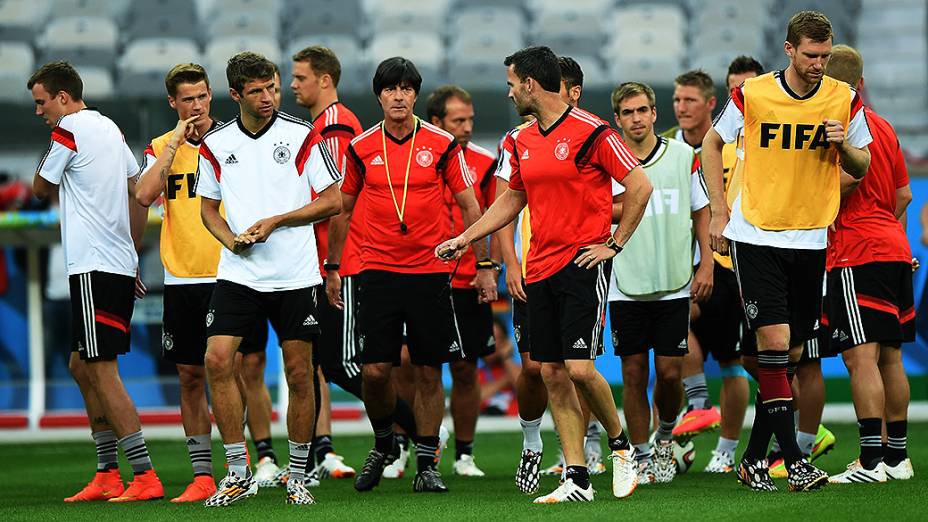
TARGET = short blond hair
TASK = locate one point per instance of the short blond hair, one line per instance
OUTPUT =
(809, 24)
(845, 64)
(184, 73)
(629, 90)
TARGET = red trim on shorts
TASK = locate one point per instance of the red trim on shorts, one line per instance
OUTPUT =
(875, 303)
(907, 315)
(112, 320)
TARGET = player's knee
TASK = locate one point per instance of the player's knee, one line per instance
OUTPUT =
(78, 369)
(252, 369)
(582, 374)
(192, 378)
(218, 364)
(531, 370)
(669, 376)
(773, 339)
(464, 373)
(553, 373)
(634, 374)
(375, 376)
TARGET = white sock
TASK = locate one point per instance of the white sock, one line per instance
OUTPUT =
(727, 445)
(806, 442)
(531, 434)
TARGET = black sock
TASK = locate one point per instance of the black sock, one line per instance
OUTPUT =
(580, 476)
(265, 448)
(760, 433)
(322, 446)
(383, 434)
(895, 443)
(782, 424)
(619, 443)
(405, 418)
(463, 448)
(426, 452)
(871, 445)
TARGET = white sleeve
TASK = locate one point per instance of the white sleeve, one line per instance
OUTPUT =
(858, 132)
(132, 166)
(207, 184)
(57, 158)
(503, 167)
(617, 188)
(729, 122)
(321, 167)
(698, 197)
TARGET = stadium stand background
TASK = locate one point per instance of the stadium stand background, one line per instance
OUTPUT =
(124, 47)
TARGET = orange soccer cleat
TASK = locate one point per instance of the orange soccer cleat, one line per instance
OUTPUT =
(146, 486)
(104, 486)
(696, 421)
(202, 487)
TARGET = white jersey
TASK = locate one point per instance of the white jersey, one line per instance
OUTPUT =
(89, 159)
(730, 124)
(257, 176)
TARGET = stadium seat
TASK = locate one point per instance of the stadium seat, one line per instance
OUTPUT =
(218, 52)
(408, 15)
(423, 48)
(727, 39)
(479, 47)
(595, 76)
(729, 13)
(482, 20)
(81, 40)
(648, 15)
(163, 19)
(236, 23)
(570, 44)
(658, 42)
(16, 66)
(552, 23)
(482, 75)
(513, 4)
(312, 17)
(656, 71)
(113, 9)
(214, 8)
(715, 64)
(599, 7)
(20, 19)
(98, 83)
(144, 64)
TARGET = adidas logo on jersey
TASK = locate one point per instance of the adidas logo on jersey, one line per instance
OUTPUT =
(310, 321)
(525, 154)
(377, 161)
(231, 160)
(580, 344)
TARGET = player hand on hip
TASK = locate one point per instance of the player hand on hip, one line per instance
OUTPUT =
(486, 285)
(333, 289)
(593, 255)
(452, 249)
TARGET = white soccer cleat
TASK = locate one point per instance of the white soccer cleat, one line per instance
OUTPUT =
(722, 462)
(901, 471)
(594, 462)
(333, 466)
(298, 494)
(397, 468)
(646, 473)
(466, 467)
(265, 473)
(665, 469)
(624, 473)
(567, 492)
(232, 489)
(857, 474)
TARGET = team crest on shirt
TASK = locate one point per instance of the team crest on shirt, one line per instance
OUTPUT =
(167, 342)
(281, 153)
(517, 333)
(210, 316)
(562, 150)
(424, 158)
(750, 310)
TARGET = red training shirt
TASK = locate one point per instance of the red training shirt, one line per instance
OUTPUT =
(436, 161)
(482, 164)
(867, 230)
(338, 126)
(565, 172)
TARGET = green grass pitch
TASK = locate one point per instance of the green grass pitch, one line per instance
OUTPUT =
(37, 476)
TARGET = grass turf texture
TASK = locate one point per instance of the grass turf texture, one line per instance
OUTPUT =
(38, 476)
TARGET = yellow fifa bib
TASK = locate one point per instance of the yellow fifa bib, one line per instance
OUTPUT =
(732, 173)
(791, 174)
(187, 248)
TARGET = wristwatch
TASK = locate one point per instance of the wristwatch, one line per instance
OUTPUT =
(488, 264)
(613, 245)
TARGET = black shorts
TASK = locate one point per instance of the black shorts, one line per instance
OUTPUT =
(388, 300)
(336, 352)
(568, 313)
(236, 309)
(871, 303)
(638, 326)
(475, 322)
(780, 286)
(183, 331)
(520, 325)
(101, 308)
(718, 327)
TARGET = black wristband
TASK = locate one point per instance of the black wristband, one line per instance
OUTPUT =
(331, 266)
(488, 264)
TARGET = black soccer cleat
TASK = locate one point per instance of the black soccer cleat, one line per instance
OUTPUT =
(428, 481)
(755, 475)
(803, 476)
(370, 474)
